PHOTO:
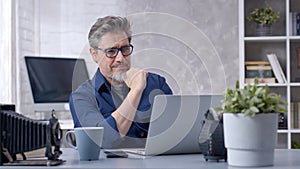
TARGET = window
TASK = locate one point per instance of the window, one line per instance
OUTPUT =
(6, 59)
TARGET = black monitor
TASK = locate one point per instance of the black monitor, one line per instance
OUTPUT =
(52, 79)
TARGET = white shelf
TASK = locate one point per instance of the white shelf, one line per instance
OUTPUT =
(295, 131)
(295, 84)
(267, 38)
(294, 37)
(282, 131)
(283, 44)
(274, 84)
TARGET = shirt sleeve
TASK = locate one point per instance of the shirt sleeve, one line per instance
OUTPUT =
(85, 112)
(156, 85)
(164, 86)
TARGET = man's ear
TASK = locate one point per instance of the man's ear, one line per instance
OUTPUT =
(93, 52)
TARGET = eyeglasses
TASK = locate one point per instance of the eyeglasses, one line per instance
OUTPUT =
(113, 52)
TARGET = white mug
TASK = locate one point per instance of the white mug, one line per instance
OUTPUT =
(88, 142)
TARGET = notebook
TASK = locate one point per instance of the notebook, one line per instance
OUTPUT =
(175, 124)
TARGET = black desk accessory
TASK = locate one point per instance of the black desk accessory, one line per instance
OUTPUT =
(116, 154)
(20, 134)
(282, 121)
(211, 138)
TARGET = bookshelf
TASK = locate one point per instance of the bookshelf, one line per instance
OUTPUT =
(283, 42)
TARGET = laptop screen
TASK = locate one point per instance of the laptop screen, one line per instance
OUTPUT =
(176, 122)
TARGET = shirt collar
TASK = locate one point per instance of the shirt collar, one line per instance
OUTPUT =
(100, 81)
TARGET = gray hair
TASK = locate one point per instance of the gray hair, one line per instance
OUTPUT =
(108, 24)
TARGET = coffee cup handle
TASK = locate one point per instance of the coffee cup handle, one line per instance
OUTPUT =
(68, 141)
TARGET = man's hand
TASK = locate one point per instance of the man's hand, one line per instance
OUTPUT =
(124, 115)
(136, 79)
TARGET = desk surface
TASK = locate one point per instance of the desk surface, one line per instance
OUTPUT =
(284, 159)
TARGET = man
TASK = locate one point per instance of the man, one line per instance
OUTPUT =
(118, 97)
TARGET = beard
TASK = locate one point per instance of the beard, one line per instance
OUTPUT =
(119, 76)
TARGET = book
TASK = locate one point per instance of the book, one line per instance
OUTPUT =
(260, 80)
(261, 71)
(298, 23)
(280, 69)
(257, 63)
(293, 23)
(294, 18)
(298, 56)
(277, 70)
(296, 115)
(298, 122)
(260, 67)
(292, 114)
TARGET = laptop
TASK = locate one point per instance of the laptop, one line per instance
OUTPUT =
(175, 124)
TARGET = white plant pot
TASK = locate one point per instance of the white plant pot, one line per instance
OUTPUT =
(250, 141)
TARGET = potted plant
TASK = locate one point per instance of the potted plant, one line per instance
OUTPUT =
(264, 17)
(250, 119)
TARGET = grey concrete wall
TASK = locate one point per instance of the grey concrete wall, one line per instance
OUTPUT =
(193, 43)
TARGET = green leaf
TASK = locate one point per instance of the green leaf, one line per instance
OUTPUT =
(252, 100)
(264, 16)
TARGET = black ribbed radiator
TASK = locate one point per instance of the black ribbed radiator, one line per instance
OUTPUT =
(20, 134)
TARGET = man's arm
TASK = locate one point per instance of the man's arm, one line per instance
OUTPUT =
(85, 112)
(124, 115)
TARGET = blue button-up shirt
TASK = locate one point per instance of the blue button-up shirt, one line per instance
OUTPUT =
(92, 105)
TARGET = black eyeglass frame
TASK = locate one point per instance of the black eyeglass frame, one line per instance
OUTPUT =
(116, 53)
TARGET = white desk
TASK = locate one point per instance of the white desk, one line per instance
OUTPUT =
(66, 124)
(284, 159)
